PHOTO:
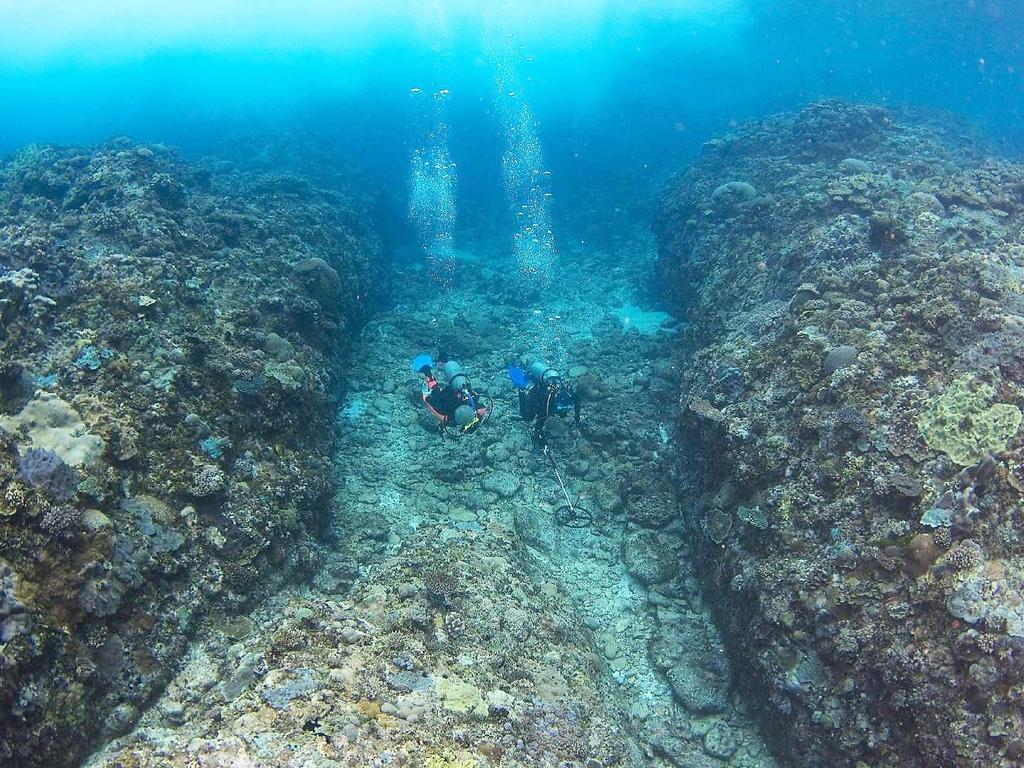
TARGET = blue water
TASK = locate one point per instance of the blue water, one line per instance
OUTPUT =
(619, 94)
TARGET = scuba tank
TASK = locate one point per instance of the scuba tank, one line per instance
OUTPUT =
(564, 402)
(561, 401)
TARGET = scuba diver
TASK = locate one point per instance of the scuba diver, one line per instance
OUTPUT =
(543, 393)
(455, 404)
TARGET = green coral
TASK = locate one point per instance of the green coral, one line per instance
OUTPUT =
(460, 697)
(964, 423)
(288, 375)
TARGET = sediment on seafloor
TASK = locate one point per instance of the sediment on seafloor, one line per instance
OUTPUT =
(850, 457)
(170, 342)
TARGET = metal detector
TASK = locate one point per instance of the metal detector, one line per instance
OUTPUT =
(568, 515)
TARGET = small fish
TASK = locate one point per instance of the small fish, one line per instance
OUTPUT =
(415, 90)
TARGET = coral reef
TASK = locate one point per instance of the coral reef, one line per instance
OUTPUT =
(865, 290)
(171, 338)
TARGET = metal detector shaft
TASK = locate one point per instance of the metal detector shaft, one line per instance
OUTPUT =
(561, 485)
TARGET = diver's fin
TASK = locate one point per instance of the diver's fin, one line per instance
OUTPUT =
(520, 379)
(422, 361)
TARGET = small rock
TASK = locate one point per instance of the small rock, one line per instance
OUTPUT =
(350, 635)
(172, 711)
(406, 589)
(504, 484)
(611, 647)
(839, 357)
(853, 166)
(93, 520)
(719, 741)
(733, 192)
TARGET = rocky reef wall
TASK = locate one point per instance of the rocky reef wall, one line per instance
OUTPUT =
(171, 336)
(851, 467)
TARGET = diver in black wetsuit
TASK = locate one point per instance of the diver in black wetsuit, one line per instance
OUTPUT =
(453, 404)
(543, 393)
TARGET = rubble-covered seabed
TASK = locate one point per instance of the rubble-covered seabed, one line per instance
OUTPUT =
(456, 623)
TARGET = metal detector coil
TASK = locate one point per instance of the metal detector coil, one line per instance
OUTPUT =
(568, 515)
(573, 517)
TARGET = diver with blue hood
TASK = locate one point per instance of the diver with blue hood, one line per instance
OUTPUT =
(456, 404)
(543, 393)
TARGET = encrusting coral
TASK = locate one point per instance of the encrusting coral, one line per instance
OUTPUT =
(964, 423)
(868, 299)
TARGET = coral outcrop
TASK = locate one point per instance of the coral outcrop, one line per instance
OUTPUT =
(170, 343)
(850, 456)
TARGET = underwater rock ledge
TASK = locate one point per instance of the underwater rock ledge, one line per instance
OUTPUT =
(850, 452)
(170, 342)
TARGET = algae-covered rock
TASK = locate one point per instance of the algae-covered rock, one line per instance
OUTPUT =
(837, 358)
(965, 422)
(282, 691)
(52, 424)
(288, 375)
(649, 556)
(733, 192)
(460, 697)
(502, 483)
